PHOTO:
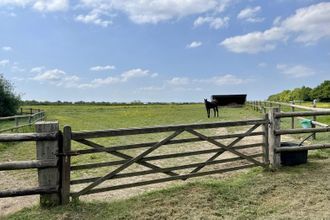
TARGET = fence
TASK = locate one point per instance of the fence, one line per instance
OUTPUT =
(276, 132)
(262, 107)
(55, 151)
(29, 111)
(47, 146)
(26, 118)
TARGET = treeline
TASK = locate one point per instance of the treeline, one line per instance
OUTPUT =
(34, 102)
(321, 93)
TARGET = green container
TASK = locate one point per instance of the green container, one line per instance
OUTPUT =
(306, 123)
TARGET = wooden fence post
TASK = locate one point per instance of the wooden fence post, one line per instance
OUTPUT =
(314, 119)
(292, 119)
(65, 161)
(47, 150)
(274, 140)
(265, 149)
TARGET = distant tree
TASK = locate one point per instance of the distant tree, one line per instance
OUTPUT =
(303, 93)
(9, 101)
(322, 92)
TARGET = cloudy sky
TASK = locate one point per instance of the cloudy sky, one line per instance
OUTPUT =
(162, 50)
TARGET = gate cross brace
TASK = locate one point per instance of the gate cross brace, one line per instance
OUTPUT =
(125, 165)
(228, 146)
(212, 141)
(125, 156)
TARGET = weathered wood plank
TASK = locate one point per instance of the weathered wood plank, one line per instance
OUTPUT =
(299, 106)
(301, 148)
(135, 131)
(142, 145)
(301, 131)
(274, 140)
(65, 147)
(46, 136)
(20, 165)
(147, 172)
(48, 150)
(265, 138)
(26, 192)
(296, 114)
(129, 185)
(159, 157)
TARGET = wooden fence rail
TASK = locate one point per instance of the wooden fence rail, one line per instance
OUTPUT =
(262, 106)
(29, 119)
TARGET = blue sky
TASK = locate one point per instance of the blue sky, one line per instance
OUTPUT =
(162, 50)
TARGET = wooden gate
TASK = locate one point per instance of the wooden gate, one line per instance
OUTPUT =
(198, 133)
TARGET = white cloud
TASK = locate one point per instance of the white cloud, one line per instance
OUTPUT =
(308, 25)
(7, 48)
(194, 44)
(255, 42)
(213, 22)
(37, 69)
(39, 5)
(122, 78)
(228, 79)
(51, 5)
(4, 62)
(222, 80)
(53, 75)
(21, 3)
(138, 11)
(155, 11)
(58, 77)
(102, 68)
(134, 73)
(152, 88)
(250, 14)
(295, 71)
(179, 81)
(94, 17)
(105, 81)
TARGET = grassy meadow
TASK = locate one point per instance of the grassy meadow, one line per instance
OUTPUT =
(253, 194)
(95, 117)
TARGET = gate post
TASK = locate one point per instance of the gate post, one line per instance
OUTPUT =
(48, 150)
(274, 140)
(65, 165)
(265, 140)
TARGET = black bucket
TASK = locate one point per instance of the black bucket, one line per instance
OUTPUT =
(293, 158)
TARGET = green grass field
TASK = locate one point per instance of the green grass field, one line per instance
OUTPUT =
(253, 195)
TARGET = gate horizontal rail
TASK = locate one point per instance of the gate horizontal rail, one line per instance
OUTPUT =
(135, 131)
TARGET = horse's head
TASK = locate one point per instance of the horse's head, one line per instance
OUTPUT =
(205, 100)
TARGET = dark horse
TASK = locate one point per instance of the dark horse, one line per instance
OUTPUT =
(211, 105)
